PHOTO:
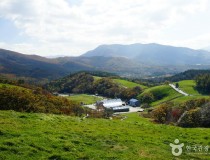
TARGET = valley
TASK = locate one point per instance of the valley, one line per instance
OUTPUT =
(104, 80)
(44, 108)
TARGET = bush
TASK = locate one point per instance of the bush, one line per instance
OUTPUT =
(26, 100)
(162, 113)
(145, 105)
(205, 115)
(167, 113)
(147, 97)
(190, 118)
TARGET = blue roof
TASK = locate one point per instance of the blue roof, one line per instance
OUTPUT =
(133, 100)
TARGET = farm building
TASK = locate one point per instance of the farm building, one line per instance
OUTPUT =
(134, 102)
(116, 105)
(110, 103)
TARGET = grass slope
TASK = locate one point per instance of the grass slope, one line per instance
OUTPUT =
(128, 84)
(42, 136)
(12, 86)
(188, 86)
(85, 98)
(187, 98)
(169, 94)
(125, 83)
(96, 78)
(165, 92)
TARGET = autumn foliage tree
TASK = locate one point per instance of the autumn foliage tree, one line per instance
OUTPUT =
(27, 100)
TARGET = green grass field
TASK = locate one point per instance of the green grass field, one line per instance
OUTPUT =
(165, 91)
(124, 83)
(85, 98)
(170, 94)
(187, 98)
(188, 86)
(128, 84)
(96, 78)
(10, 85)
(46, 136)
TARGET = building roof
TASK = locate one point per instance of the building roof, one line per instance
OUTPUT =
(112, 103)
(133, 100)
(119, 108)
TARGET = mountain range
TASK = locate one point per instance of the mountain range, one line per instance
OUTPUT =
(135, 60)
(153, 54)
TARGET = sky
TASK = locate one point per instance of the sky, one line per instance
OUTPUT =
(72, 27)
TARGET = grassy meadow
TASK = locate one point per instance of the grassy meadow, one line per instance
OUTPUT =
(48, 136)
(125, 83)
(60, 137)
(168, 94)
(84, 98)
(165, 92)
(188, 86)
(128, 84)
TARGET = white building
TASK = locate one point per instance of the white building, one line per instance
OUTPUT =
(114, 104)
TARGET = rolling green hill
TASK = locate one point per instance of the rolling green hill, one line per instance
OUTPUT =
(162, 94)
(48, 136)
(188, 86)
(84, 98)
(35, 99)
(165, 93)
(128, 84)
(123, 82)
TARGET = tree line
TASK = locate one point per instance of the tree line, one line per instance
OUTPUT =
(203, 83)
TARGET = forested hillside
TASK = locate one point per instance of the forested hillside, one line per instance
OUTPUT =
(25, 98)
(43, 69)
(85, 83)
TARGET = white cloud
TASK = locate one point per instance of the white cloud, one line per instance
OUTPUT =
(73, 27)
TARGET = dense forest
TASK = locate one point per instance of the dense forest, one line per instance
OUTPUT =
(203, 83)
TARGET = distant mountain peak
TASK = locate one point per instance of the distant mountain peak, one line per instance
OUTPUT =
(152, 53)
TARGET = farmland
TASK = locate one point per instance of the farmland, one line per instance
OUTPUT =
(53, 136)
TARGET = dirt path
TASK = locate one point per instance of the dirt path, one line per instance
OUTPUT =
(178, 90)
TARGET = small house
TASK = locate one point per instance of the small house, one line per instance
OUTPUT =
(134, 102)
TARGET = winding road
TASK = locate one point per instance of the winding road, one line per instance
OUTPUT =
(178, 90)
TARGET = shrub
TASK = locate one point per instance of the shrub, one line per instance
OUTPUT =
(162, 113)
(147, 97)
(26, 100)
(190, 118)
(205, 115)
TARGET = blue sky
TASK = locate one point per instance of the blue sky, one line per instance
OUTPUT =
(72, 27)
